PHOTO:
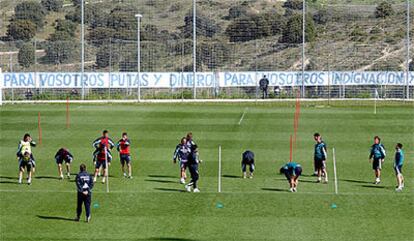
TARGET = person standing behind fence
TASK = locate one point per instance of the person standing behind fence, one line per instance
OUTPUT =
(264, 84)
(84, 186)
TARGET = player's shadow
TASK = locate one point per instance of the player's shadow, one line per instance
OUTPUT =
(159, 181)
(47, 177)
(10, 178)
(172, 239)
(274, 189)
(372, 186)
(9, 182)
(354, 181)
(162, 176)
(231, 176)
(55, 218)
(169, 189)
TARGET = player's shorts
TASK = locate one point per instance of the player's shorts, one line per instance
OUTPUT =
(320, 164)
(67, 160)
(25, 165)
(376, 164)
(398, 169)
(298, 171)
(183, 164)
(100, 164)
(125, 158)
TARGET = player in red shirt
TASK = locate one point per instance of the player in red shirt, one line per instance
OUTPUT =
(103, 146)
(124, 154)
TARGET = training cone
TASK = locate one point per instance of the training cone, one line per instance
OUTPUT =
(219, 205)
(333, 205)
(96, 205)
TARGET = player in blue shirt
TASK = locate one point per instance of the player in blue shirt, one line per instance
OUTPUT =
(320, 158)
(182, 151)
(398, 163)
(377, 156)
(292, 171)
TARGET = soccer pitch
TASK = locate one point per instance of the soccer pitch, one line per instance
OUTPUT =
(154, 206)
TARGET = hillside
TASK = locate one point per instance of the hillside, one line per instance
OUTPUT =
(344, 36)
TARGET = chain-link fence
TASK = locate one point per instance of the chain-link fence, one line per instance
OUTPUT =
(254, 37)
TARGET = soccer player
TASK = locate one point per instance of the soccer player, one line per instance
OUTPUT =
(182, 151)
(25, 145)
(377, 156)
(248, 160)
(190, 142)
(292, 171)
(102, 141)
(398, 163)
(63, 155)
(84, 187)
(124, 154)
(193, 161)
(26, 162)
(102, 158)
(320, 158)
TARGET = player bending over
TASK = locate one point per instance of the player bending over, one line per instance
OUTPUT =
(377, 157)
(25, 145)
(193, 161)
(102, 158)
(63, 155)
(26, 162)
(124, 154)
(320, 158)
(248, 160)
(103, 140)
(292, 171)
(182, 151)
(398, 163)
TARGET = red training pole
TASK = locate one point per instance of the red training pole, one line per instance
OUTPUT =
(291, 149)
(39, 127)
(67, 114)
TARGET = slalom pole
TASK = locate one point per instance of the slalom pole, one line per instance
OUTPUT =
(334, 166)
(67, 113)
(219, 169)
(375, 101)
(107, 169)
(39, 128)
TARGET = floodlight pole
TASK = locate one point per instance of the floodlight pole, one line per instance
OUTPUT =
(194, 49)
(408, 50)
(139, 16)
(82, 47)
(303, 46)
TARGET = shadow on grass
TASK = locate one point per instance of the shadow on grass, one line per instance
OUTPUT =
(9, 182)
(354, 181)
(160, 181)
(55, 218)
(372, 186)
(172, 239)
(169, 189)
(162, 176)
(275, 189)
(47, 177)
(11, 178)
(231, 176)
(308, 181)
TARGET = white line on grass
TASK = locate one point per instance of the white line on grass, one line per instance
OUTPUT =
(242, 117)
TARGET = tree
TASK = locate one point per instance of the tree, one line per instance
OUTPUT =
(66, 26)
(213, 54)
(205, 26)
(26, 55)
(94, 16)
(292, 32)
(30, 10)
(52, 5)
(76, 2)
(293, 4)
(237, 11)
(383, 10)
(106, 55)
(61, 48)
(100, 35)
(21, 30)
(323, 16)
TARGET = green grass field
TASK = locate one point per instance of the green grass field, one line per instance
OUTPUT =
(153, 206)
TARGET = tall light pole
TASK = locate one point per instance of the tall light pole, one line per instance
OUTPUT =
(139, 16)
(194, 49)
(303, 46)
(408, 49)
(83, 47)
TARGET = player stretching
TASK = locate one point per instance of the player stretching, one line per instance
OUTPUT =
(377, 157)
(24, 149)
(248, 160)
(193, 162)
(320, 158)
(398, 163)
(182, 151)
(103, 141)
(61, 155)
(292, 171)
(124, 154)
